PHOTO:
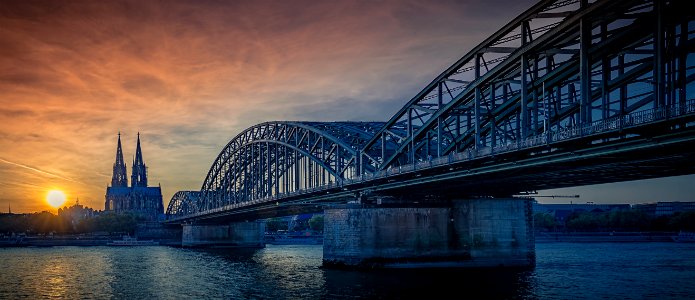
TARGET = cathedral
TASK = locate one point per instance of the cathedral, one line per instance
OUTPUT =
(138, 199)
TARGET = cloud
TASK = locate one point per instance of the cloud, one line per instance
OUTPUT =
(37, 170)
(191, 75)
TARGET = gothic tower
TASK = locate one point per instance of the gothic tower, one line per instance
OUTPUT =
(137, 199)
(139, 174)
(120, 178)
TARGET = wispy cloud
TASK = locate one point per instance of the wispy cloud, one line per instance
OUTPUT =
(190, 75)
(37, 170)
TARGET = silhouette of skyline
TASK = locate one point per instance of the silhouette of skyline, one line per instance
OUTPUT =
(191, 75)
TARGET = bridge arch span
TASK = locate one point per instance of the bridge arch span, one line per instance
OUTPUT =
(560, 67)
(274, 158)
(182, 203)
(605, 77)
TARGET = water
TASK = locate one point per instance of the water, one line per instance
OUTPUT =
(563, 271)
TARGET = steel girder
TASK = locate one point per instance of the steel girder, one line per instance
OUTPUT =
(564, 76)
(275, 158)
(527, 80)
(182, 203)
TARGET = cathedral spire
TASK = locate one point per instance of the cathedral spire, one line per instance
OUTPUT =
(138, 151)
(139, 175)
(120, 177)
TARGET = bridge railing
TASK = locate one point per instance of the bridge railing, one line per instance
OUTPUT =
(627, 121)
(598, 127)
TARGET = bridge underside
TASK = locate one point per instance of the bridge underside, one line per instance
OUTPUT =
(623, 160)
(641, 157)
(569, 93)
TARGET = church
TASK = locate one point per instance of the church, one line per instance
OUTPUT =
(138, 199)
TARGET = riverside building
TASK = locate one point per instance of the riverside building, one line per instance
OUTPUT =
(138, 198)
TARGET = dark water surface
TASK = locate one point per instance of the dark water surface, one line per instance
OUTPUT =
(563, 271)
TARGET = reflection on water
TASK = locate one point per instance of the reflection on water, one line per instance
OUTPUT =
(588, 271)
(47, 273)
(55, 272)
(437, 283)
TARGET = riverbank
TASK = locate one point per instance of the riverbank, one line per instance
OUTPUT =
(602, 237)
(540, 237)
(51, 241)
(305, 238)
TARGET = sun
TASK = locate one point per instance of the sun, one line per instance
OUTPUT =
(55, 198)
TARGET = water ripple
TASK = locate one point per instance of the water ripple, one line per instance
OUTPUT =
(563, 271)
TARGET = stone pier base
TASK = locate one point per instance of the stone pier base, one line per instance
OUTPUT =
(468, 233)
(242, 234)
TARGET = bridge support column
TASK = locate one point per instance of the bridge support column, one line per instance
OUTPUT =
(466, 233)
(241, 234)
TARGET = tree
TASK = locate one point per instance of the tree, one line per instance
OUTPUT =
(111, 222)
(14, 223)
(587, 221)
(46, 222)
(275, 224)
(631, 220)
(683, 221)
(544, 221)
(316, 223)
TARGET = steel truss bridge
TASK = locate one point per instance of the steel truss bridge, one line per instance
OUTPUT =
(568, 93)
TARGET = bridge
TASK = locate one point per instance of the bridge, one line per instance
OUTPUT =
(569, 93)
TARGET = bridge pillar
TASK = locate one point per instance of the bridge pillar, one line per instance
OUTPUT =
(465, 233)
(240, 234)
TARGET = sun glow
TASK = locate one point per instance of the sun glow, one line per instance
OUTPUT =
(55, 198)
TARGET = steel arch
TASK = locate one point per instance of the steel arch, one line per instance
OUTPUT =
(182, 203)
(274, 158)
(526, 80)
(564, 76)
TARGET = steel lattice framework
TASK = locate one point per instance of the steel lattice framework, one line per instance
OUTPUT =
(183, 203)
(276, 158)
(564, 76)
(557, 67)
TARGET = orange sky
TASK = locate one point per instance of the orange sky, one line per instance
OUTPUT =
(190, 75)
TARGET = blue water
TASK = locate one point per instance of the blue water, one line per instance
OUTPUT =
(563, 271)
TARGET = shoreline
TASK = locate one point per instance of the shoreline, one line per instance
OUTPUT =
(82, 242)
(600, 237)
(539, 237)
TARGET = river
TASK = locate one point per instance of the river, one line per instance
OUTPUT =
(563, 271)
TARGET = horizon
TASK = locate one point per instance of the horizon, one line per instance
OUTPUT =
(68, 205)
(189, 78)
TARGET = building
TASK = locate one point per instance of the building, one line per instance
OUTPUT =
(578, 207)
(646, 208)
(138, 198)
(76, 212)
(656, 209)
(664, 208)
(562, 211)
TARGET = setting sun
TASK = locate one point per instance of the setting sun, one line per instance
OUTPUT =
(55, 198)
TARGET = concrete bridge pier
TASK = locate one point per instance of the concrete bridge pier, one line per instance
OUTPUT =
(484, 232)
(238, 234)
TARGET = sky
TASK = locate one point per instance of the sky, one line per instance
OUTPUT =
(191, 75)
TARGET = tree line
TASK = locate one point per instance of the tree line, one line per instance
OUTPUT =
(315, 223)
(629, 220)
(46, 222)
(109, 222)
